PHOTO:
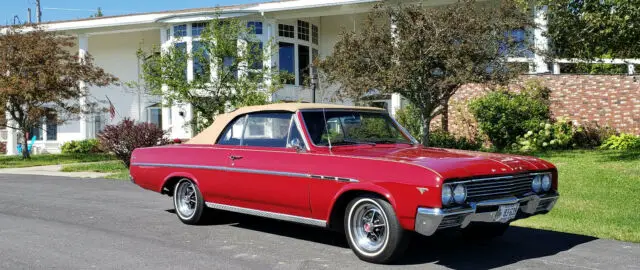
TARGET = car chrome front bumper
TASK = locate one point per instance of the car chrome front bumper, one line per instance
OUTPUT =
(429, 220)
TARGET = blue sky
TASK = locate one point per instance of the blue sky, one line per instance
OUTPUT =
(54, 10)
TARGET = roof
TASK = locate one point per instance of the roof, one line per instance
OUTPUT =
(195, 14)
(211, 134)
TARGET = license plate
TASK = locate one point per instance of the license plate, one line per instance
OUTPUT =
(507, 212)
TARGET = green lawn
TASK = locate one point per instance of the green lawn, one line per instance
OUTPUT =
(42, 160)
(116, 169)
(599, 195)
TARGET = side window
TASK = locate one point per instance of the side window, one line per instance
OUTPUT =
(267, 129)
(295, 137)
(232, 134)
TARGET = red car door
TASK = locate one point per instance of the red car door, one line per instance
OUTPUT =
(264, 174)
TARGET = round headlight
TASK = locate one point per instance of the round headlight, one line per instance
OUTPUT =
(546, 182)
(447, 195)
(459, 194)
(536, 185)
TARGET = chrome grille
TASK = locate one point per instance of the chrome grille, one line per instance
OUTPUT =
(451, 221)
(498, 187)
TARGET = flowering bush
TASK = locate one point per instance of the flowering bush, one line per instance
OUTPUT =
(123, 138)
(547, 136)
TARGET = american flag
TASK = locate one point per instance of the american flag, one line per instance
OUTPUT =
(112, 110)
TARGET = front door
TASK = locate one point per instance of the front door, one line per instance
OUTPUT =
(264, 169)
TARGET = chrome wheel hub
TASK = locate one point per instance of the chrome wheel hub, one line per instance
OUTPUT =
(186, 199)
(369, 227)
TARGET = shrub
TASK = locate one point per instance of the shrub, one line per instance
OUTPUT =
(592, 135)
(3, 148)
(81, 147)
(622, 142)
(504, 115)
(547, 136)
(443, 139)
(411, 119)
(123, 138)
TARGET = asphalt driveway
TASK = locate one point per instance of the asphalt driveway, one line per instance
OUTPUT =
(71, 223)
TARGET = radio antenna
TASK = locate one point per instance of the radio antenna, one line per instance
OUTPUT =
(326, 126)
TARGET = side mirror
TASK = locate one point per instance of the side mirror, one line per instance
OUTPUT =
(295, 144)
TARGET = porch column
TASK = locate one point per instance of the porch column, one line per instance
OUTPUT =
(12, 139)
(165, 42)
(271, 56)
(541, 43)
(83, 48)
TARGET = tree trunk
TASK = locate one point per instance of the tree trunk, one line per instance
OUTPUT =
(426, 129)
(445, 117)
(25, 145)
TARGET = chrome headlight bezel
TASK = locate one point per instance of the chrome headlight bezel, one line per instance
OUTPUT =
(546, 182)
(447, 195)
(536, 184)
(460, 193)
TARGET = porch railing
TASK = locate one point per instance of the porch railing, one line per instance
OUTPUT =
(630, 63)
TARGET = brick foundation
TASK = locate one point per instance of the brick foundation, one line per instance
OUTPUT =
(609, 100)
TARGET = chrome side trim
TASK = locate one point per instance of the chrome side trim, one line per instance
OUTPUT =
(243, 170)
(267, 214)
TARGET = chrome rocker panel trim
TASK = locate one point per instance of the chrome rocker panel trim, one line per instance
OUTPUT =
(267, 214)
(429, 220)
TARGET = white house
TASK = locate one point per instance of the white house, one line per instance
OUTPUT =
(302, 28)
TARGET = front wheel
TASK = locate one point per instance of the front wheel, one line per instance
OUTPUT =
(373, 231)
(188, 202)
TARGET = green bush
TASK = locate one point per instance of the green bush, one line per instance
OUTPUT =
(81, 147)
(411, 119)
(622, 142)
(547, 136)
(503, 115)
(443, 139)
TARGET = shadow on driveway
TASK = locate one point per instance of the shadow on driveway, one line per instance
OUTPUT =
(447, 248)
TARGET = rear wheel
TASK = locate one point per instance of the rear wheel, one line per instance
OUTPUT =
(373, 231)
(482, 231)
(188, 202)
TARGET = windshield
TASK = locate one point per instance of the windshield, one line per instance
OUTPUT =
(352, 127)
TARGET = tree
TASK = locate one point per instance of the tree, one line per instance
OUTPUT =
(593, 29)
(98, 13)
(40, 79)
(229, 66)
(425, 54)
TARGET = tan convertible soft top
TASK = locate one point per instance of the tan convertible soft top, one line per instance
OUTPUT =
(210, 134)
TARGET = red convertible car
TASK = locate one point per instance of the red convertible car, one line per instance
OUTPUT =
(353, 169)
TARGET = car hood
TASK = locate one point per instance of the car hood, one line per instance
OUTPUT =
(450, 163)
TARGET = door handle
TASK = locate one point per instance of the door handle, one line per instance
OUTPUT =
(235, 157)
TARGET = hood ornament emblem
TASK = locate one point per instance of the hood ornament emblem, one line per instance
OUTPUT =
(422, 190)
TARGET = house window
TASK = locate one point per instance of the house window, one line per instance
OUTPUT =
(168, 32)
(303, 64)
(154, 115)
(197, 29)
(287, 57)
(37, 132)
(200, 62)
(314, 55)
(516, 46)
(182, 47)
(52, 127)
(285, 30)
(255, 49)
(303, 30)
(180, 30)
(314, 34)
(256, 27)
